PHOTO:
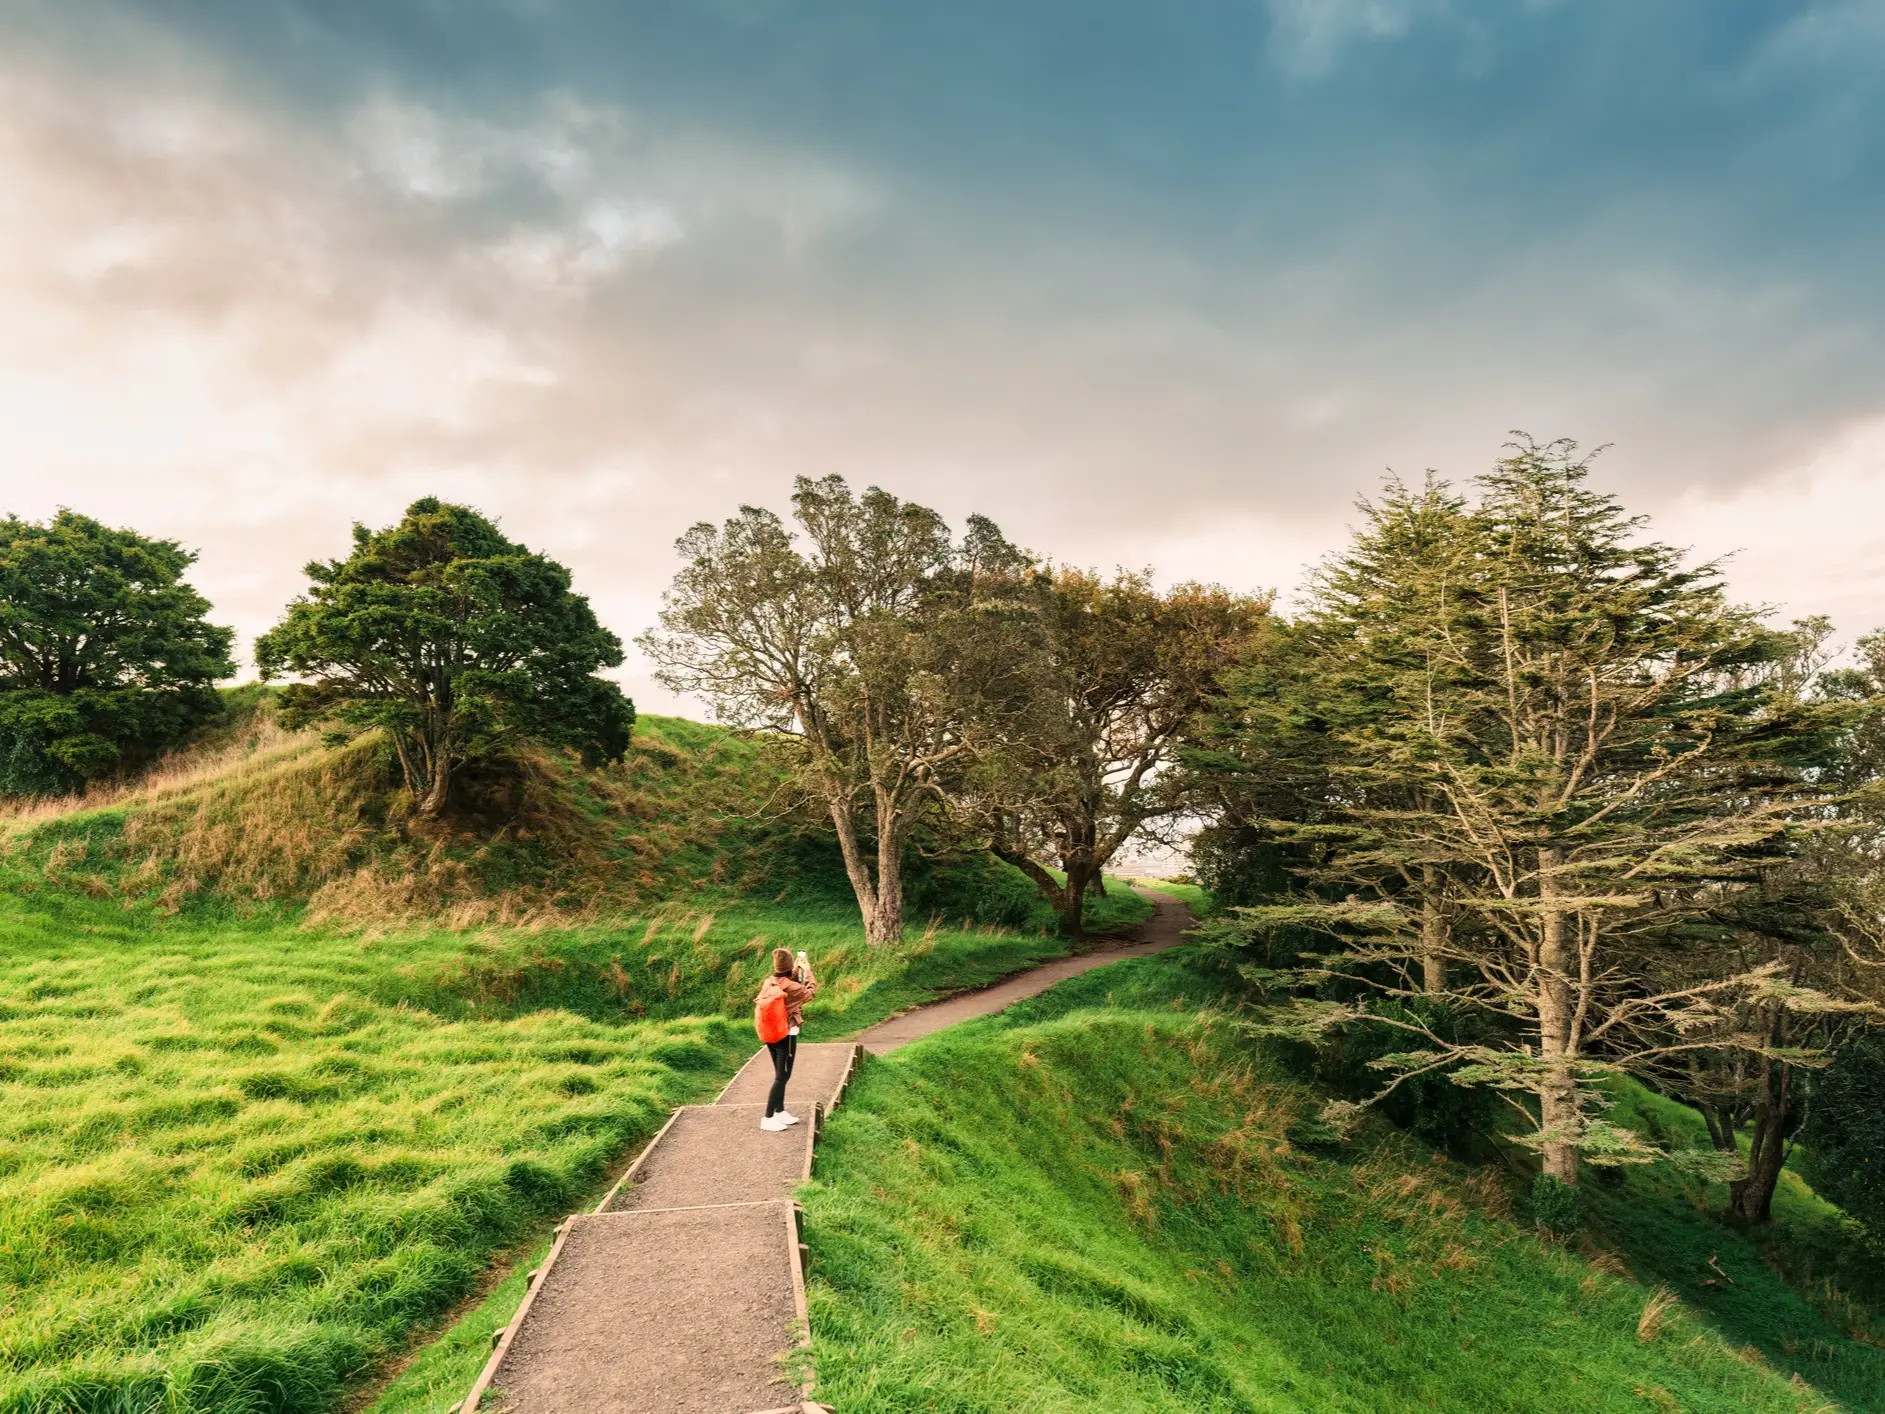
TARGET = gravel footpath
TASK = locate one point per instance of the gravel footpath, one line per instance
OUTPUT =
(684, 1295)
(1164, 929)
(719, 1154)
(818, 1075)
(669, 1312)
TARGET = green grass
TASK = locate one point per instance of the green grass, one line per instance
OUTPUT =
(266, 1120)
(1120, 909)
(244, 1160)
(443, 1371)
(1198, 898)
(1807, 1292)
(1092, 1202)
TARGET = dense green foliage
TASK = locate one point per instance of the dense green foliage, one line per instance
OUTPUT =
(1092, 1203)
(1844, 1132)
(458, 643)
(1114, 670)
(105, 655)
(1537, 766)
(885, 648)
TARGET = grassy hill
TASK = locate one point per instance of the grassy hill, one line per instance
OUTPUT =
(1094, 1202)
(287, 1078)
(291, 1082)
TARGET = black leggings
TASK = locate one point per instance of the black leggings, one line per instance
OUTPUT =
(783, 1054)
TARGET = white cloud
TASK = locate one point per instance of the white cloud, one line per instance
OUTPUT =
(605, 239)
(412, 149)
(1809, 538)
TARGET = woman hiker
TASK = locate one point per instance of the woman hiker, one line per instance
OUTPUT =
(778, 1012)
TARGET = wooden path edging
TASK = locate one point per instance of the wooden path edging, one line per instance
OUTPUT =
(628, 1174)
(795, 1247)
(534, 1284)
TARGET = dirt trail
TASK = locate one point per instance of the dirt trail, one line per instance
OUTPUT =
(1164, 929)
(683, 1292)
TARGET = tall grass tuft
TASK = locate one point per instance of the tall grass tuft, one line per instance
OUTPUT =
(1655, 1315)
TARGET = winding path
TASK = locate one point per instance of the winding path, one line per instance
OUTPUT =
(684, 1291)
(1164, 929)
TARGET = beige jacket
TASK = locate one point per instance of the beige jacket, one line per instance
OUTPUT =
(796, 994)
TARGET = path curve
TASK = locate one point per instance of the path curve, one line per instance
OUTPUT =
(1164, 929)
(683, 1290)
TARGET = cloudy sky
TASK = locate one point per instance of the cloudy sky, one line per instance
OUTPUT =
(1150, 284)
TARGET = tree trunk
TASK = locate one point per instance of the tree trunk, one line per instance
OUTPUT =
(1073, 897)
(438, 793)
(854, 866)
(435, 764)
(1720, 1120)
(1050, 888)
(1433, 934)
(1097, 884)
(885, 923)
(1751, 1199)
(1557, 1092)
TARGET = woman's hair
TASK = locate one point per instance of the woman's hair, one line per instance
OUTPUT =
(782, 962)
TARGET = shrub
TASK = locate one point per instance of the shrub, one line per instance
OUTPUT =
(1843, 1139)
(1557, 1207)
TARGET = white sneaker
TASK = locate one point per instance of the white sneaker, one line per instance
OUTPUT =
(775, 1124)
(788, 1118)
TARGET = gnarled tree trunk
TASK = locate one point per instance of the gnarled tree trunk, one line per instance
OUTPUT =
(1751, 1199)
(1067, 898)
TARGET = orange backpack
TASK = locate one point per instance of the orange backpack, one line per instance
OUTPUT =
(770, 1018)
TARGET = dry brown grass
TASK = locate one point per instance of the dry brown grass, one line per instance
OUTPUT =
(1608, 1264)
(278, 816)
(260, 747)
(1655, 1314)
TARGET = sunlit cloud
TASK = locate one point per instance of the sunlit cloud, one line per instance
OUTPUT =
(1811, 537)
(1174, 301)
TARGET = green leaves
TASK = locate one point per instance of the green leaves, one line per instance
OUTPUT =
(105, 654)
(458, 643)
(889, 651)
(1519, 757)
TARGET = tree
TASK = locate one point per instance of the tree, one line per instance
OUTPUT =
(1121, 670)
(1844, 1132)
(1272, 747)
(1820, 918)
(1567, 724)
(457, 643)
(887, 649)
(105, 654)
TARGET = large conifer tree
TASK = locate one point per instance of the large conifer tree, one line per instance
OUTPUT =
(1551, 742)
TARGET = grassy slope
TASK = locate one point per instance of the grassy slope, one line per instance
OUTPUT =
(439, 1376)
(1092, 1203)
(1197, 898)
(247, 1149)
(1807, 1292)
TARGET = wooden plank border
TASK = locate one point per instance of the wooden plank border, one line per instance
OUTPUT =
(726, 1088)
(629, 1173)
(489, 1373)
